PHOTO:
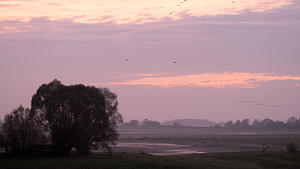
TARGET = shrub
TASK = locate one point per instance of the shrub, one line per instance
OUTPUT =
(291, 147)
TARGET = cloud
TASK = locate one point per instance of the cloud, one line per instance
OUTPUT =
(247, 42)
(9, 5)
(151, 74)
(51, 4)
(283, 17)
(136, 12)
(214, 80)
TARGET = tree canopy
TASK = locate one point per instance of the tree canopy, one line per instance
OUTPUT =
(77, 115)
(21, 131)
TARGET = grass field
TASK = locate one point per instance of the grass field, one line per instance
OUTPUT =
(234, 160)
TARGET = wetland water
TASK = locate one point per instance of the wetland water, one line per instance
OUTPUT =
(155, 148)
(168, 141)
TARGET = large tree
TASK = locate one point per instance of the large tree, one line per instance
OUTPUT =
(77, 115)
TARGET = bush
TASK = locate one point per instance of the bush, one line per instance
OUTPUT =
(20, 131)
(291, 147)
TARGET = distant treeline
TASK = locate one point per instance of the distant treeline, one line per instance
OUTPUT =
(292, 123)
(145, 123)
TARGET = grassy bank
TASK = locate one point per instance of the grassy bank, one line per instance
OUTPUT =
(238, 160)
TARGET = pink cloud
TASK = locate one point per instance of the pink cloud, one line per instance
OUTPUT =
(151, 74)
(51, 4)
(125, 12)
(215, 80)
(9, 5)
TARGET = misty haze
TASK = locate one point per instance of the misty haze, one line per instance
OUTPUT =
(150, 84)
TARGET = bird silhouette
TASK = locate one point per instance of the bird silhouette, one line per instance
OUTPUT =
(258, 103)
(175, 61)
(178, 4)
(126, 59)
(206, 81)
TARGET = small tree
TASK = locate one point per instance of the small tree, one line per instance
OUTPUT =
(293, 123)
(20, 131)
(176, 124)
(2, 140)
(256, 123)
(268, 123)
(150, 123)
(245, 123)
(291, 147)
(238, 123)
(228, 124)
(134, 123)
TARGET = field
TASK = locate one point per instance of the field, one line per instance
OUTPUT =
(234, 160)
(203, 148)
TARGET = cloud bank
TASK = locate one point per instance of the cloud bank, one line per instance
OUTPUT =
(129, 11)
(214, 80)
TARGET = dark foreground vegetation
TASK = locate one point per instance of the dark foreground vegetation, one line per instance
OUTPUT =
(234, 160)
(62, 118)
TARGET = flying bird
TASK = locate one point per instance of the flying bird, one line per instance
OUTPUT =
(126, 59)
(258, 103)
(206, 81)
(175, 61)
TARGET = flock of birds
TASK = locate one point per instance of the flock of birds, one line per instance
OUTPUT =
(184, 1)
(175, 61)
(208, 81)
(126, 60)
(179, 4)
(237, 102)
(257, 103)
(215, 81)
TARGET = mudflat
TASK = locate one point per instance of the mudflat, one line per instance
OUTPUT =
(187, 140)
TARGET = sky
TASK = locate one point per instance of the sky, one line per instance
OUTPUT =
(218, 60)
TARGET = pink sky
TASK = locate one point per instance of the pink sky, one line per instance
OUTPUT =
(224, 52)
